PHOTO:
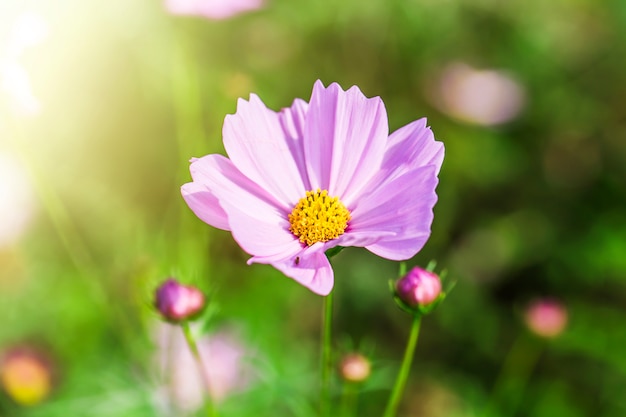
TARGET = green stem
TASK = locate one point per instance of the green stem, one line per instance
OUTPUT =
(59, 216)
(398, 389)
(187, 100)
(348, 400)
(513, 378)
(327, 360)
(210, 407)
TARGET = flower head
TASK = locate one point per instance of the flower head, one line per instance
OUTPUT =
(178, 302)
(419, 287)
(315, 176)
(228, 360)
(355, 367)
(485, 97)
(546, 317)
(212, 9)
(26, 375)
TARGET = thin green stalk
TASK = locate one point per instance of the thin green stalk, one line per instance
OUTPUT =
(405, 368)
(187, 100)
(191, 140)
(327, 360)
(59, 216)
(210, 407)
(514, 376)
(348, 399)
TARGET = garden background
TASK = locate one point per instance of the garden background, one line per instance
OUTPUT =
(104, 102)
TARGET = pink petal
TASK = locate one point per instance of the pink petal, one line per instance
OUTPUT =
(413, 145)
(292, 121)
(400, 250)
(212, 9)
(360, 238)
(205, 205)
(261, 236)
(297, 250)
(255, 218)
(262, 150)
(403, 206)
(289, 253)
(345, 138)
(311, 270)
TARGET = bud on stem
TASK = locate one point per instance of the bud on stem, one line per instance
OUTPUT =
(177, 302)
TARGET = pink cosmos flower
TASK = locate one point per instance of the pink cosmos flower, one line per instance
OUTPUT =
(212, 9)
(315, 176)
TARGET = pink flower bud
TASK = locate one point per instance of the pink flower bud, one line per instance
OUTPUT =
(419, 287)
(355, 368)
(546, 317)
(178, 302)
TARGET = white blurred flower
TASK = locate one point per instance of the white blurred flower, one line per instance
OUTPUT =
(212, 9)
(17, 199)
(484, 97)
(28, 30)
(226, 358)
(16, 83)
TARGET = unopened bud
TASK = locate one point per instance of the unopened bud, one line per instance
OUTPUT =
(419, 287)
(177, 302)
(546, 318)
(355, 368)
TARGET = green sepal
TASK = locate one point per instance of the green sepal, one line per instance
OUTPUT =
(206, 320)
(430, 307)
(431, 266)
(399, 302)
(427, 309)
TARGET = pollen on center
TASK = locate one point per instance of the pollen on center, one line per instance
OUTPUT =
(318, 218)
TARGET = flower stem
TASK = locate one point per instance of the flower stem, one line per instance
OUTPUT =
(513, 378)
(60, 218)
(210, 407)
(327, 360)
(348, 400)
(398, 389)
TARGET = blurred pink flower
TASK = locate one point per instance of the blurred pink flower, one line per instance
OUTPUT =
(546, 317)
(355, 367)
(212, 9)
(26, 375)
(485, 97)
(319, 175)
(226, 358)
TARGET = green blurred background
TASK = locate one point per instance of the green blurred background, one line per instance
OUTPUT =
(104, 102)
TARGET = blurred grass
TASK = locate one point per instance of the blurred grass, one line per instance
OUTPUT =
(532, 207)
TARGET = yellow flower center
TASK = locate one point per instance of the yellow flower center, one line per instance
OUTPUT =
(318, 218)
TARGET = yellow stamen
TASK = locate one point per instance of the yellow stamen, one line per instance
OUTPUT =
(318, 218)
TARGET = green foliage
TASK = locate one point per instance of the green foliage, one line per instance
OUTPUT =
(528, 208)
